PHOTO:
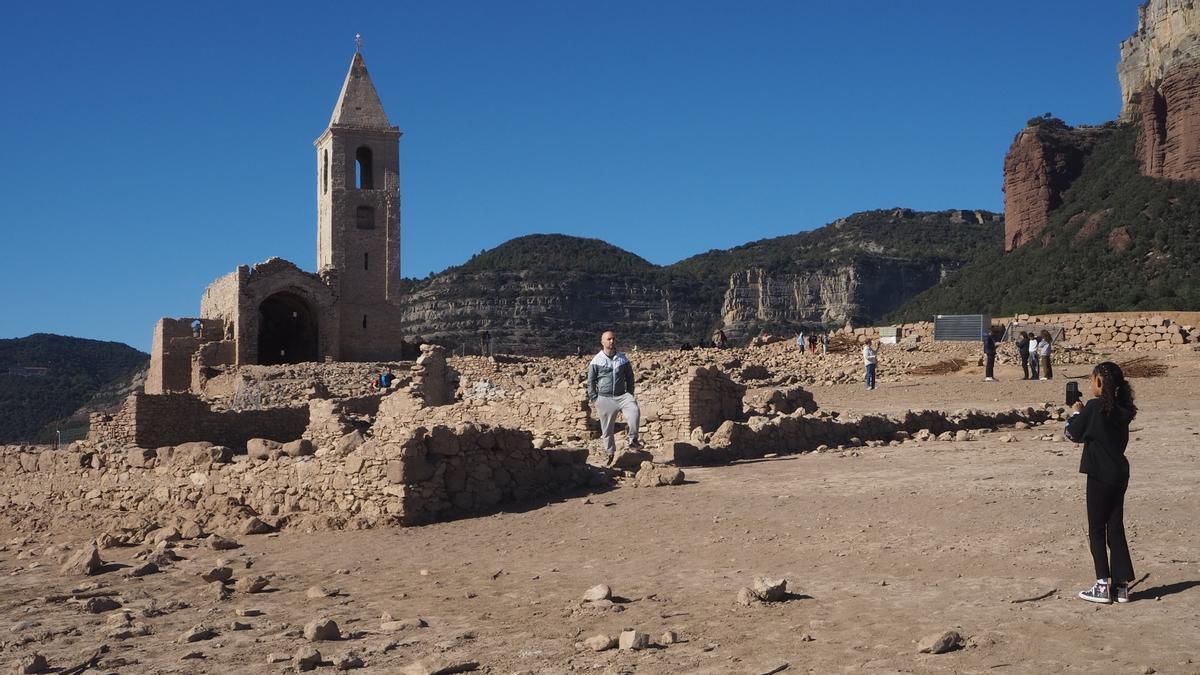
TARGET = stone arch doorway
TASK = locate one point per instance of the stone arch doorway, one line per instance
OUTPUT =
(287, 330)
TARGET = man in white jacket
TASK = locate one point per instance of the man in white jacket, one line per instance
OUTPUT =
(610, 387)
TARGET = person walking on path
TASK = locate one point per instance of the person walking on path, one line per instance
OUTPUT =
(1043, 355)
(1023, 352)
(989, 352)
(870, 357)
(610, 386)
(824, 344)
(1102, 425)
(801, 341)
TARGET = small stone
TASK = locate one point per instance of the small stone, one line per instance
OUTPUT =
(961, 435)
(315, 592)
(253, 525)
(320, 629)
(85, 561)
(33, 663)
(238, 625)
(192, 655)
(220, 591)
(632, 640)
(940, 643)
(198, 633)
(392, 626)
(248, 611)
(746, 597)
(599, 643)
(1148, 670)
(770, 590)
(253, 584)
(597, 592)
(100, 605)
(348, 661)
(143, 569)
(306, 658)
(218, 543)
(217, 574)
(277, 658)
(668, 638)
(440, 665)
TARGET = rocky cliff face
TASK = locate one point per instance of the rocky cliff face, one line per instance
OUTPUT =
(1160, 88)
(1044, 159)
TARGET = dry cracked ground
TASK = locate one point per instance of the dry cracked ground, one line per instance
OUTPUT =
(881, 548)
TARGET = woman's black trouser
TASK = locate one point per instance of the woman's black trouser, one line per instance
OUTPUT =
(991, 364)
(1025, 364)
(1106, 530)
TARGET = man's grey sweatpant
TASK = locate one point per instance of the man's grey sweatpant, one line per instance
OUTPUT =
(608, 407)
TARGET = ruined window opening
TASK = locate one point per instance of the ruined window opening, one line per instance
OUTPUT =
(364, 218)
(366, 261)
(363, 180)
(325, 174)
(364, 320)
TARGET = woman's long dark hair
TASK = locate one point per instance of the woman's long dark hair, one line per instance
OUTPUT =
(1115, 390)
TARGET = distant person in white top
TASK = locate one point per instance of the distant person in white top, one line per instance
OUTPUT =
(1033, 355)
(610, 386)
(870, 353)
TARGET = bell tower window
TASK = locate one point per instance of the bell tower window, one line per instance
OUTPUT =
(363, 178)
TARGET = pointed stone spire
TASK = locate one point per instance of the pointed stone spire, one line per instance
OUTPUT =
(358, 105)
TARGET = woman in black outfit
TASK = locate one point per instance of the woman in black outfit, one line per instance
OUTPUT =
(1103, 427)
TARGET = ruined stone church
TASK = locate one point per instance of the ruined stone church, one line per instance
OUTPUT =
(274, 312)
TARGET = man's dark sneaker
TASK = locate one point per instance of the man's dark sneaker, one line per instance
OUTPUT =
(635, 444)
(608, 459)
(1121, 592)
(1097, 593)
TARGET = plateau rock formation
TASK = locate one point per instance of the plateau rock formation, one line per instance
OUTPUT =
(1160, 88)
(553, 294)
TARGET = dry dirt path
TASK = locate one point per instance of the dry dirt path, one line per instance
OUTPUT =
(881, 547)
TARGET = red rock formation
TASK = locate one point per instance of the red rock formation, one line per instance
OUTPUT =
(1168, 144)
(1045, 158)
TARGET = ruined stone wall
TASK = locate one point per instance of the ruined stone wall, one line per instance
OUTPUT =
(408, 476)
(705, 399)
(172, 348)
(151, 421)
(1122, 330)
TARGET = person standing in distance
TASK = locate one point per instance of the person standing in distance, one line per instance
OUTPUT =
(870, 356)
(989, 353)
(610, 387)
(1102, 425)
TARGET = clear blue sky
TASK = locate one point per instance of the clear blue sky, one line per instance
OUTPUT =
(151, 147)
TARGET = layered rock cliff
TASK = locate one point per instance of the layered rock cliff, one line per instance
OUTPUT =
(552, 294)
(1160, 88)
(1044, 160)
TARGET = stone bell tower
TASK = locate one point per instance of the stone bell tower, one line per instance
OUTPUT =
(358, 217)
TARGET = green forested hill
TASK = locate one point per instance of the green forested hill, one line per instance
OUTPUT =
(47, 377)
(1119, 242)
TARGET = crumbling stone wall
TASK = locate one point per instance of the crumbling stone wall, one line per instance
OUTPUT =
(406, 476)
(1123, 331)
(172, 347)
(706, 398)
(150, 421)
(432, 380)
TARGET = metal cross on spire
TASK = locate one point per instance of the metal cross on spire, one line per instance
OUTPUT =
(358, 42)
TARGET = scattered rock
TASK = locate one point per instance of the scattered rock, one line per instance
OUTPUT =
(597, 592)
(253, 584)
(247, 611)
(253, 525)
(198, 633)
(395, 625)
(33, 663)
(298, 448)
(652, 475)
(599, 643)
(220, 591)
(746, 596)
(217, 574)
(239, 625)
(143, 569)
(218, 543)
(668, 638)
(633, 639)
(961, 435)
(192, 655)
(100, 605)
(440, 665)
(940, 643)
(631, 459)
(85, 561)
(315, 592)
(320, 629)
(306, 658)
(770, 590)
(278, 658)
(348, 661)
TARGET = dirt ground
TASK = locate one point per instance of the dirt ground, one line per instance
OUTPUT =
(880, 546)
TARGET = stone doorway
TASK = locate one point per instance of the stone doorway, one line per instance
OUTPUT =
(287, 330)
